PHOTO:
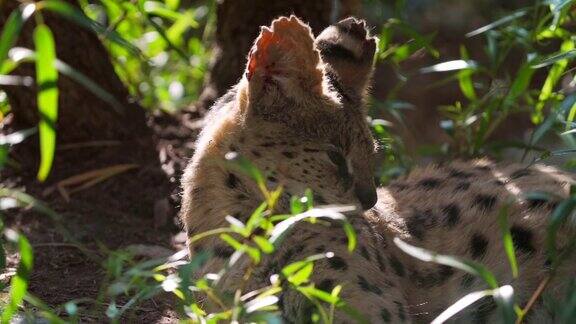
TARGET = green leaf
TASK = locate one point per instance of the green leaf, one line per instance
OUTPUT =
(562, 55)
(302, 275)
(507, 239)
(334, 213)
(259, 303)
(16, 137)
(46, 77)
(504, 298)
(25, 55)
(319, 294)
(19, 283)
(78, 17)
(263, 244)
(551, 119)
(460, 305)
(498, 23)
(12, 29)
(464, 265)
(560, 214)
(450, 66)
(560, 63)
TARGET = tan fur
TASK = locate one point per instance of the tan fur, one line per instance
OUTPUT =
(300, 119)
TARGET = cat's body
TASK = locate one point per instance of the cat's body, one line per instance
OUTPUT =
(300, 119)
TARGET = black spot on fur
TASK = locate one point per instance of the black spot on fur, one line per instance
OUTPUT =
(444, 273)
(499, 183)
(451, 215)
(364, 252)
(337, 263)
(400, 310)
(320, 249)
(520, 173)
(326, 285)
(419, 222)
(319, 199)
(380, 260)
(268, 144)
(289, 155)
(397, 266)
(429, 183)
(462, 186)
(486, 202)
(232, 181)
(478, 245)
(534, 203)
(460, 174)
(385, 315)
(467, 281)
(330, 50)
(431, 278)
(241, 196)
(522, 239)
(483, 311)
(309, 150)
(223, 252)
(366, 286)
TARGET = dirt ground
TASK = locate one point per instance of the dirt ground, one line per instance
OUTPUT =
(136, 207)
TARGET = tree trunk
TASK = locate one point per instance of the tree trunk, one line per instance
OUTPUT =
(238, 24)
(82, 115)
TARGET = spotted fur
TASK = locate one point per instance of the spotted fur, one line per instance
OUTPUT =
(298, 114)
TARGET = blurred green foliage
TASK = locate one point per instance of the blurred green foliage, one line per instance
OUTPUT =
(172, 39)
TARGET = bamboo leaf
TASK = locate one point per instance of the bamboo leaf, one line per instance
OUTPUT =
(46, 77)
(461, 304)
(464, 265)
(19, 55)
(497, 23)
(19, 283)
(12, 29)
(507, 239)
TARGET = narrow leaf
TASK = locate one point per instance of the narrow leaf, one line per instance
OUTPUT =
(464, 265)
(497, 23)
(19, 283)
(46, 77)
(12, 29)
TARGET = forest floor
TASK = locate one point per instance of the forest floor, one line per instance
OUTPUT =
(134, 210)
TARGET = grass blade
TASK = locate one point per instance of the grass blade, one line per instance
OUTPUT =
(461, 304)
(12, 29)
(46, 77)
(497, 23)
(87, 83)
(507, 240)
(19, 55)
(451, 261)
(19, 283)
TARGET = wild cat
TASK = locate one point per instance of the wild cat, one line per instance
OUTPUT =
(299, 115)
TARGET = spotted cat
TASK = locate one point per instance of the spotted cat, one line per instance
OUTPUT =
(299, 115)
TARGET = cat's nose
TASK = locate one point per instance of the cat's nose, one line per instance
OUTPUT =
(367, 196)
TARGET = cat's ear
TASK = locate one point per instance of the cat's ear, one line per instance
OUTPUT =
(347, 50)
(283, 61)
